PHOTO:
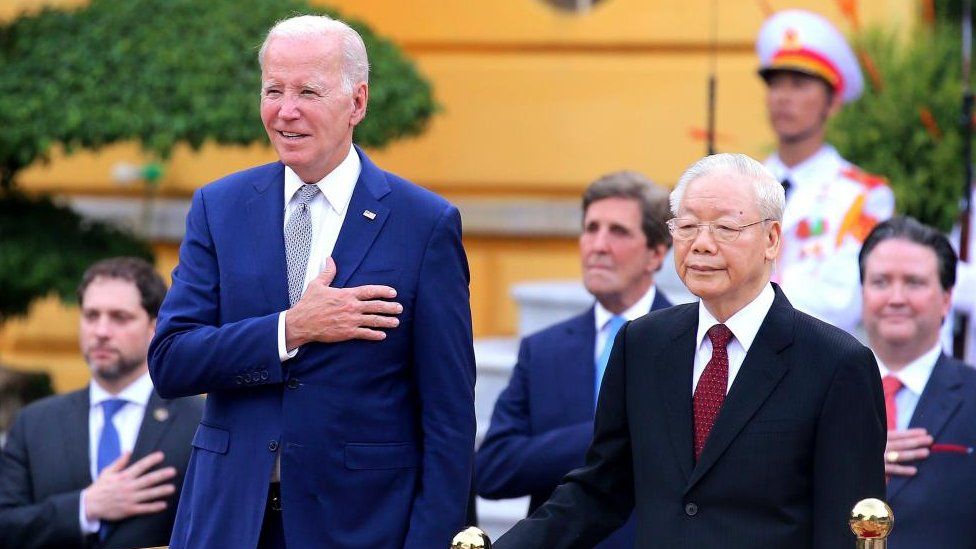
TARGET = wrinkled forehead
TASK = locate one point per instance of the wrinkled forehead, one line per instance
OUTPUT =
(720, 194)
(309, 54)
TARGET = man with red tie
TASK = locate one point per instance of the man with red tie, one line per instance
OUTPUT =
(736, 421)
(907, 273)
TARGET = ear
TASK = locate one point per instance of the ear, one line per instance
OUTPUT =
(655, 257)
(946, 304)
(836, 102)
(359, 97)
(774, 236)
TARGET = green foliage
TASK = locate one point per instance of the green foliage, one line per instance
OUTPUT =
(45, 247)
(886, 131)
(155, 72)
(163, 73)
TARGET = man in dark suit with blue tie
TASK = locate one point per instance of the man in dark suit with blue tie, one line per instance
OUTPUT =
(101, 467)
(322, 303)
(736, 421)
(908, 271)
(543, 421)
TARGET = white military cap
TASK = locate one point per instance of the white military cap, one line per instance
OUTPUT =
(802, 41)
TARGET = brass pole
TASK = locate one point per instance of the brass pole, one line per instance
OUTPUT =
(871, 521)
(471, 538)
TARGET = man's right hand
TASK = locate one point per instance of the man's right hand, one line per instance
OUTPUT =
(329, 315)
(908, 446)
(120, 491)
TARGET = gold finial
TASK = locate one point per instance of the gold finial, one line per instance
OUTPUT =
(871, 521)
(471, 538)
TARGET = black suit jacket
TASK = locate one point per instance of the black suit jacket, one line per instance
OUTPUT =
(45, 465)
(798, 442)
(937, 506)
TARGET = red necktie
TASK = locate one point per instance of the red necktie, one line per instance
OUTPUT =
(710, 392)
(891, 385)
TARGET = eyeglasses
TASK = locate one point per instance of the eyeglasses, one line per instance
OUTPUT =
(687, 229)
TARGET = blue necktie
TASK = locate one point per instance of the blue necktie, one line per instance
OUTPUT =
(613, 326)
(109, 448)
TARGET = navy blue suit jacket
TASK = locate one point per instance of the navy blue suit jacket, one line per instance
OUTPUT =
(798, 441)
(543, 420)
(376, 437)
(937, 506)
(45, 465)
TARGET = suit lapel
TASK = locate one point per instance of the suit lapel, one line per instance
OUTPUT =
(155, 422)
(365, 217)
(573, 368)
(676, 364)
(264, 223)
(761, 371)
(660, 302)
(75, 434)
(939, 401)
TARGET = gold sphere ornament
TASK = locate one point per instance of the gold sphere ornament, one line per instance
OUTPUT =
(871, 519)
(471, 538)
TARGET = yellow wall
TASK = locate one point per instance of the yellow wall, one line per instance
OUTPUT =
(536, 102)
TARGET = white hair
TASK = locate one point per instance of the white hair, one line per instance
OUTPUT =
(769, 193)
(355, 64)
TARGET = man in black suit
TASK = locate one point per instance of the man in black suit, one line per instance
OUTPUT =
(733, 422)
(101, 467)
(908, 271)
(543, 421)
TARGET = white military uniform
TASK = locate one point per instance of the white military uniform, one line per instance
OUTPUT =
(832, 207)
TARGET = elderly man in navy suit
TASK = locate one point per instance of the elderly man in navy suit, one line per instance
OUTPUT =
(907, 273)
(322, 303)
(543, 420)
(736, 421)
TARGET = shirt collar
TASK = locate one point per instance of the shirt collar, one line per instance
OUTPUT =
(137, 392)
(641, 308)
(745, 323)
(825, 160)
(336, 186)
(915, 375)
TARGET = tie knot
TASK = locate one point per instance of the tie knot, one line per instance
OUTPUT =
(306, 193)
(720, 335)
(614, 324)
(111, 406)
(891, 385)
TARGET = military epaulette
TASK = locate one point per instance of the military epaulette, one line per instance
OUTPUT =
(868, 180)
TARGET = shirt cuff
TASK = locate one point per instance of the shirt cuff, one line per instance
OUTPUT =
(87, 526)
(283, 353)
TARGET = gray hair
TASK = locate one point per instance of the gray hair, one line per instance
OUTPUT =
(355, 65)
(769, 192)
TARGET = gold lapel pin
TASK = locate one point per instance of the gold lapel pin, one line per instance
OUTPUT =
(161, 414)
(369, 215)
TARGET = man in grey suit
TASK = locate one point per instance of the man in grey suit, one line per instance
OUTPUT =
(102, 466)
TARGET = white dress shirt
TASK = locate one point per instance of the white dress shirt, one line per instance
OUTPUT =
(327, 211)
(744, 326)
(602, 318)
(914, 376)
(127, 422)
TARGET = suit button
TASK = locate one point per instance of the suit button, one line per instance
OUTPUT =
(238, 380)
(691, 509)
(273, 446)
(293, 383)
(264, 375)
(247, 378)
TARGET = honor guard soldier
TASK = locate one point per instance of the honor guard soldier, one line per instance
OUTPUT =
(810, 72)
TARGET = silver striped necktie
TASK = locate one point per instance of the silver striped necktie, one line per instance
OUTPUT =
(298, 240)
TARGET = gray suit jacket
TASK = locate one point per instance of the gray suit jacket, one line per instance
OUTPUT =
(45, 466)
